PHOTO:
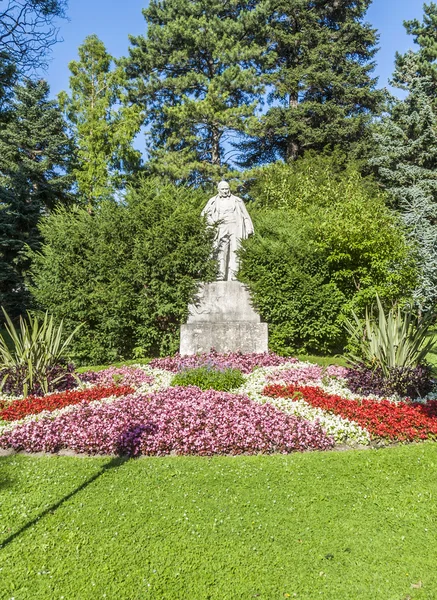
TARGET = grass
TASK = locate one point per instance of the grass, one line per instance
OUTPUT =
(357, 525)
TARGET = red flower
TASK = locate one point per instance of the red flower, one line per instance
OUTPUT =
(403, 421)
(33, 405)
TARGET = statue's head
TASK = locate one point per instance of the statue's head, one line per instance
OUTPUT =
(223, 189)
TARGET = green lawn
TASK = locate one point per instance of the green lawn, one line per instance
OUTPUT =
(351, 525)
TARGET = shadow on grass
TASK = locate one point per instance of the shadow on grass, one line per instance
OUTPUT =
(5, 482)
(112, 464)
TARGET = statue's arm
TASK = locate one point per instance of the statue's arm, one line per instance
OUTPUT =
(210, 209)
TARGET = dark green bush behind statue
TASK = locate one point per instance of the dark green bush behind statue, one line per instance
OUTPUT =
(128, 271)
(324, 244)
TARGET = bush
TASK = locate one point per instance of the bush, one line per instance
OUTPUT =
(398, 340)
(127, 272)
(33, 362)
(412, 382)
(324, 244)
(207, 378)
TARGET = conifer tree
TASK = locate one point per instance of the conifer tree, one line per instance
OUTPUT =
(405, 157)
(103, 126)
(425, 57)
(194, 73)
(318, 64)
(34, 157)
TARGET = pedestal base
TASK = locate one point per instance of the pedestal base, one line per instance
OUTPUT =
(223, 318)
(224, 337)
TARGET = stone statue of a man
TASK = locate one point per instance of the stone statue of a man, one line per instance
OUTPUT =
(234, 224)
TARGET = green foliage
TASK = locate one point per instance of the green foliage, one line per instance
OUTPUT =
(194, 74)
(399, 339)
(32, 352)
(127, 271)
(404, 155)
(331, 525)
(324, 244)
(207, 378)
(424, 56)
(317, 66)
(103, 125)
(35, 154)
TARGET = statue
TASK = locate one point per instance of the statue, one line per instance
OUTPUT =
(234, 224)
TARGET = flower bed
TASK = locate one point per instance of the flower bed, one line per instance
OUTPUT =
(133, 376)
(34, 404)
(402, 421)
(283, 405)
(177, 420)
(243, 362)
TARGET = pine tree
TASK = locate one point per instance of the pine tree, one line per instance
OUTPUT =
(405, 157)
(318, 67)
(103, 125)
(34, 157)
(194, 74)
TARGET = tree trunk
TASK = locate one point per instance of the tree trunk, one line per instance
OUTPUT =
(215, 146)
(293, 148)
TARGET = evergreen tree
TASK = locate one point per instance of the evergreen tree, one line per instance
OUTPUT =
(405, 157)
(195, 75)
(34, 155)
(104, 127)
(425, 58)
(318, 67)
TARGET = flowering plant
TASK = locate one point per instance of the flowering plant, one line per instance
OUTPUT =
(34, 404)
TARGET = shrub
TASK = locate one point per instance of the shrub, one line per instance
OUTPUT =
(324, 244)
(207, 378)
(413, 382)
(36, 362)
(399, 340)
(128, 271)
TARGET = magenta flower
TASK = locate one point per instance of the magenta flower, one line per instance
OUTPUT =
(173, 421)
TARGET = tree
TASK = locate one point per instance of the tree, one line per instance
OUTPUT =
(195, 77)
(34, 156)
(324, 243)
(103, 126)
(127, 271)
(317, 64)
(28, 30)
(423, 62)
(405, 158)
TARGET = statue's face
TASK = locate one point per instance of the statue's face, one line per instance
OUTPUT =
(224, 190)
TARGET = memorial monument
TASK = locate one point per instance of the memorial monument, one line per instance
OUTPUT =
(222, 316)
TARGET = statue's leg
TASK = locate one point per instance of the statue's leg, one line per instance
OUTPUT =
(234, 244)
(223, 258)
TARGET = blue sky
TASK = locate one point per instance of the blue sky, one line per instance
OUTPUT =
(113, 21)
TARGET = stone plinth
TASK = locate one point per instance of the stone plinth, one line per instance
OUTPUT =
(224, 319)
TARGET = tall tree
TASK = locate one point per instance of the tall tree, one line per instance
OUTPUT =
(194, 74)
(103, 125)
(405, 157)
(318, 67)
(425, 57)
(28, 30)
(34, 157)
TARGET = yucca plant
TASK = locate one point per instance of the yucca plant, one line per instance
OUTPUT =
(396, 340)
(35, 356)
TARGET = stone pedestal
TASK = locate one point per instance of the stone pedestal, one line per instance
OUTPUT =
(224, 319)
